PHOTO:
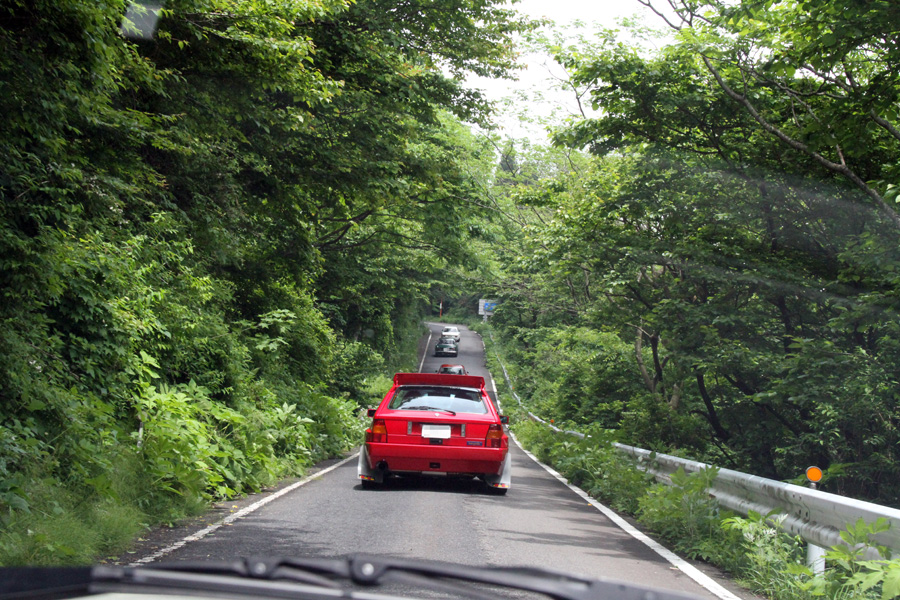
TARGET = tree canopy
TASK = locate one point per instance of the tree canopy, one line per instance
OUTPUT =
(737, 230)
(215, 240)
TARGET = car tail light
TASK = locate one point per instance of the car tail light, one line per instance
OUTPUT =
(378, 432)
(494, 437)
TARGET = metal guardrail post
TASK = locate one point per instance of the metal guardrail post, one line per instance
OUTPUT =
(815, 555)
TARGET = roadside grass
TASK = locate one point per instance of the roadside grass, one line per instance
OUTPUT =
(687, 519)
(684, 516)
(76, 527)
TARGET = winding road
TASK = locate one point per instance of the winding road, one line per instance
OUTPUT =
(540, 522)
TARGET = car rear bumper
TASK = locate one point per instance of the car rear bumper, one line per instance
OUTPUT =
(426, 458)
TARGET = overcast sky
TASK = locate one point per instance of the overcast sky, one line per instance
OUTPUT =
(540, 70)
(566, 11)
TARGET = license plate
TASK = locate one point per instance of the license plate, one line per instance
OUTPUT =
(436, 431)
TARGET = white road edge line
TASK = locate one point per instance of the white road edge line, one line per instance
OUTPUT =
(427, 344)
(241, 513)
(685, 567)
(491, 377)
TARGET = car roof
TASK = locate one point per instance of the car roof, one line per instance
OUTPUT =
(455, 381)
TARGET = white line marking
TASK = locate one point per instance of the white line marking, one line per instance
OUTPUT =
(241, 513)
(685, 567)
(427, 345)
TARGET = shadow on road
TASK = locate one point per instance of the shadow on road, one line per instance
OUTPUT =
(432, 483)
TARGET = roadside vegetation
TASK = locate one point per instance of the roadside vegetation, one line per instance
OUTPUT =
(687, 519)
(718, 278)
(216, 242)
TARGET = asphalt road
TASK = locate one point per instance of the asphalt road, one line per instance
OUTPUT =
(540, 522)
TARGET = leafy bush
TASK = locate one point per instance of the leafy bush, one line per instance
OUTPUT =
(592, 463)
(683, 513)
(769, 561)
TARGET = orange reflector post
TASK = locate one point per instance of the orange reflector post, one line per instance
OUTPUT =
(814, 474)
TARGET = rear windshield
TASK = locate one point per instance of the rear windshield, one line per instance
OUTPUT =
(422, 397)
(452, 370)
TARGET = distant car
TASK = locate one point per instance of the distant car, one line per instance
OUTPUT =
(450, 332)
(434, 423)
(446, 347)
(453, 370)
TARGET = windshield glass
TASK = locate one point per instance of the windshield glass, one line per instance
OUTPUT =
(227, 226)
(458, 400)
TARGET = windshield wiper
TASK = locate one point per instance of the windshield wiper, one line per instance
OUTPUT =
(328, 579)
(446, 410)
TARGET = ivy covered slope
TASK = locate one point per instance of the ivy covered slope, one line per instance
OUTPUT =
(722, 279)
(212, 241)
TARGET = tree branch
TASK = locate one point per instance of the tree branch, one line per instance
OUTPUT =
(842, 169)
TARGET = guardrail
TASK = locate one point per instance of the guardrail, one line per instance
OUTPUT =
(817, 517)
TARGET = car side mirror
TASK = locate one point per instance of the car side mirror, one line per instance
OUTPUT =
(371, 412)
(504, 420)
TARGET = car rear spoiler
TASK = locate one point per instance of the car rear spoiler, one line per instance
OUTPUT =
(469, 381)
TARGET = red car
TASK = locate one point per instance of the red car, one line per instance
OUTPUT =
(453, 370)
(436, 423)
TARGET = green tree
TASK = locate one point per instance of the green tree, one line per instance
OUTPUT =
(754, 280)
(198, 231)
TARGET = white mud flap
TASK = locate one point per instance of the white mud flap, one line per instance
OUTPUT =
(504, 479)
(364, 472)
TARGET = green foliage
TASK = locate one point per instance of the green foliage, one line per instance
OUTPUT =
(375, 389)
(684, 513)
(742, 321)
(770, 562)
(731, 240)
(854, 574)
(591, 463)
(773, 562)
(578, 374)
(214, 242)
(66, 526)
